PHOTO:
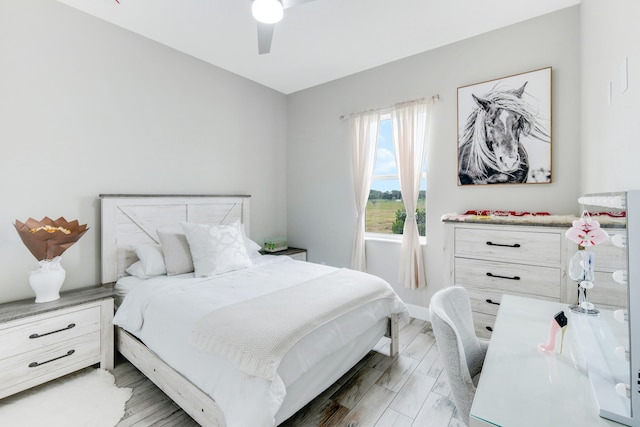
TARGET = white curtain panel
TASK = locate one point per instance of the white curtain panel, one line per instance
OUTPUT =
(364, 137)
(410, 122)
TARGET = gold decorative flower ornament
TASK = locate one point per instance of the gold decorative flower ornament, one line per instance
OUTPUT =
(47, 239)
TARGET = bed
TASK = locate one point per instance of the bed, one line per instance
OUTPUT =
(203, 338)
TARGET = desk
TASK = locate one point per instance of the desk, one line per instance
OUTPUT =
(521, 386)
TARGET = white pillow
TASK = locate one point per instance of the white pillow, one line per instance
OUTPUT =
(136, 269)
(253, 249)
(216, 249)
(177, 255)
(151, 262)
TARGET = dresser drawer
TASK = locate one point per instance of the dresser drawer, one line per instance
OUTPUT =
(24, 335)
(485, 303)
(609, 257)
(507, 245)
(483, 324)
(606, 292)
(487, 300)
(25, 367)
(484, 300)
(509, 278)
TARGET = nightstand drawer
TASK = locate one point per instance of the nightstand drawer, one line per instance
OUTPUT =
(509, 278)
(36, 332)
(294, 253)
(523, 246)
(41, 342)
(300, 256)
(27, 366)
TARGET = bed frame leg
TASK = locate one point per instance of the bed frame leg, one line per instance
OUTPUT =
(394, 321)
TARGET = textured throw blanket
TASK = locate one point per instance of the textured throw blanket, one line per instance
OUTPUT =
(256, 334)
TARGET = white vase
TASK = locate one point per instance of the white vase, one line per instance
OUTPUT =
(47, 280)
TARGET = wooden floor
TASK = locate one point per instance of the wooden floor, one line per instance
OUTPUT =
(409, 390)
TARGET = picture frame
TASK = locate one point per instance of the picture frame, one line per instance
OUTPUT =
(504, 130)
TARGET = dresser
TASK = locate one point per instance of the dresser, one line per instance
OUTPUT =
(41, 342)
(492, 257)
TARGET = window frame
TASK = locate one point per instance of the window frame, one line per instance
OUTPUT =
(370, 235)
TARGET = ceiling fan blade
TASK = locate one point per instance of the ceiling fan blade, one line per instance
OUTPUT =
(265, 34)
(291, 3)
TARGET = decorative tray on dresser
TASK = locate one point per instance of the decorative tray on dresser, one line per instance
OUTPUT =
(528, 255)
(41, 342)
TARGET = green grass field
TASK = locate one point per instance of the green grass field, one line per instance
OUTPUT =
(381, 214)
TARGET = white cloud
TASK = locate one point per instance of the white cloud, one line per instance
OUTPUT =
(385, 162)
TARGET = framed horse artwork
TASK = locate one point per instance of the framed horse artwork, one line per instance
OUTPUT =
(504, 130)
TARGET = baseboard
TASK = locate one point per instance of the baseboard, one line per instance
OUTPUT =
(419, 312)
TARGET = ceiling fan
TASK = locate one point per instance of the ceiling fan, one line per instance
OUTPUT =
(268, 13)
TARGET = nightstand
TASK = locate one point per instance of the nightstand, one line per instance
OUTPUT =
(41, 342)
(294, 253)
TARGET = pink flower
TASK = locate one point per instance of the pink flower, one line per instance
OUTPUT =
(586, 232)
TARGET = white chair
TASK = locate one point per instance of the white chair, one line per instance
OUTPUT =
(461, 351)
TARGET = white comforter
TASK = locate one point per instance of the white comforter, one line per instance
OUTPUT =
(163, 312)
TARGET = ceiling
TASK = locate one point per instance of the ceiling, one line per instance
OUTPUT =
(315, 42)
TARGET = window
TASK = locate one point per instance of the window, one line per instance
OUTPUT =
(385, 213)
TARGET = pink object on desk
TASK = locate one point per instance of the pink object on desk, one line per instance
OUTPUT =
(559, 322)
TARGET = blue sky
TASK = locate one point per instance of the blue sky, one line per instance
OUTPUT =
(386, 160)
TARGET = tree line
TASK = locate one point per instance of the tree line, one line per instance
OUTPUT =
(392, 195)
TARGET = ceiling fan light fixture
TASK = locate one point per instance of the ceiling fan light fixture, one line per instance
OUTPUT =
(267, 11)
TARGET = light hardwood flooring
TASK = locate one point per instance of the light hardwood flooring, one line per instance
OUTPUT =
(409, 390)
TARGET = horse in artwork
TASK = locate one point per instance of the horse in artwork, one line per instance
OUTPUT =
(490, 150)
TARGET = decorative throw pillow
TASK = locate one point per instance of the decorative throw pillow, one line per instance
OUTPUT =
(136, 269)
(151, 262)
(216, 249)
(177, 255)
(253, 249)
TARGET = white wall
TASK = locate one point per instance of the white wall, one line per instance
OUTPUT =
(321, 210)
(611, 146)
(88, 108)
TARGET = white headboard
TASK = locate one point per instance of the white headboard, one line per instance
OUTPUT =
(128, 220)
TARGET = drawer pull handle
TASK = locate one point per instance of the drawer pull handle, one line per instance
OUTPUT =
(489, 328)
(503, 277)
(34, 336)
(36, 364)
(491, 302)
(515, 245)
